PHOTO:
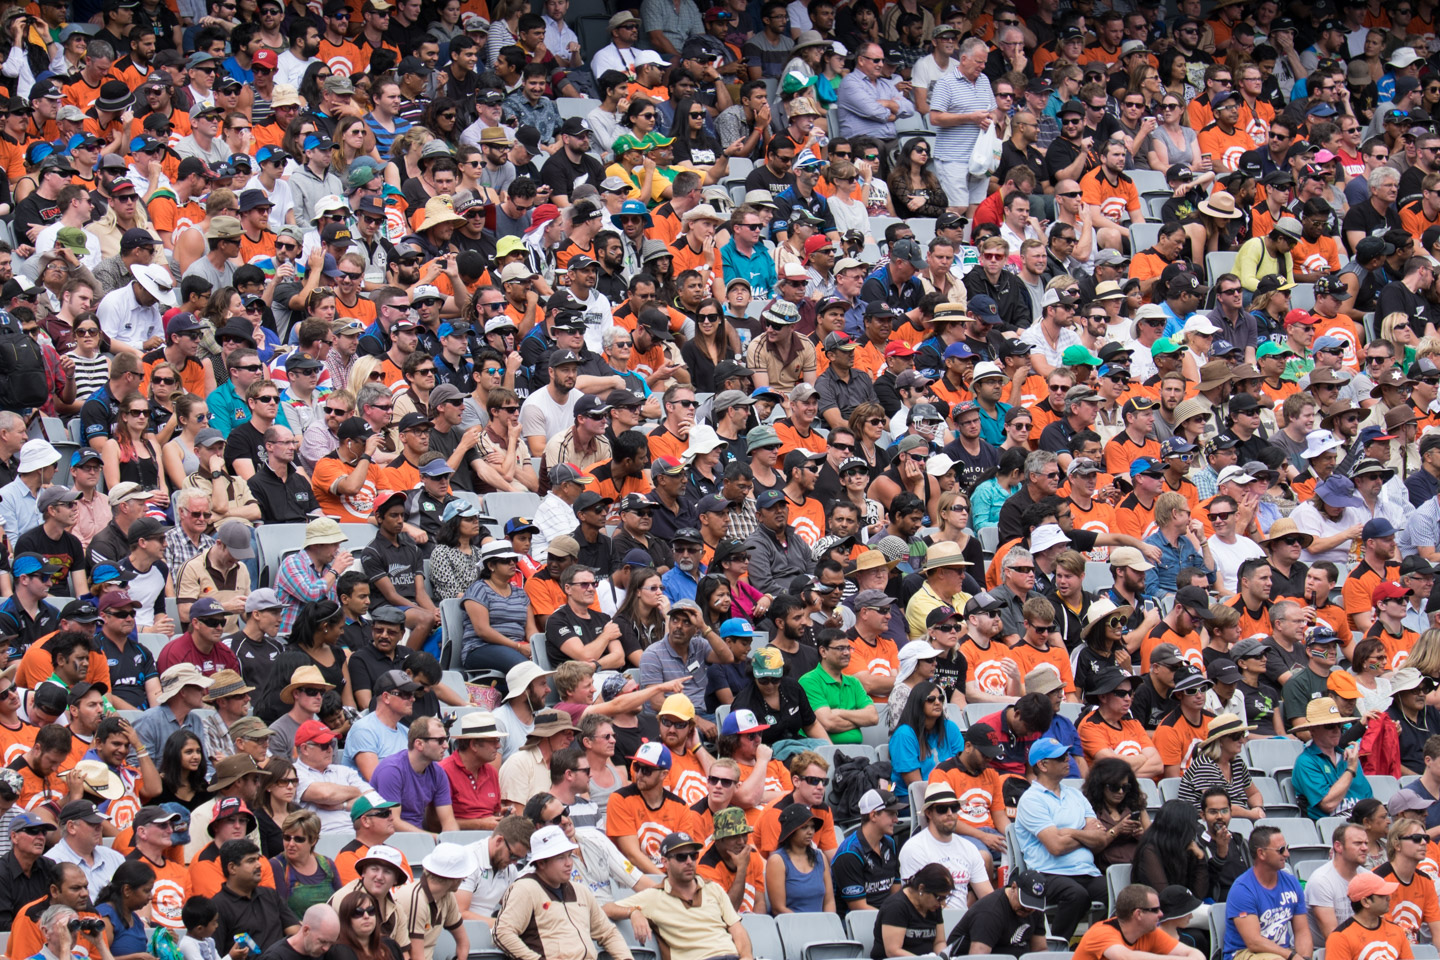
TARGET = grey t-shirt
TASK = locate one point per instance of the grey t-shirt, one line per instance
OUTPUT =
(1326, 888)
(516, 730)
(282, 737)
(218, 278)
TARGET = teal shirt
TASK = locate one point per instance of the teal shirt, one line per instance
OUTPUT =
(985, 505)
(228, 410)
(1313, 776)
(843, 694)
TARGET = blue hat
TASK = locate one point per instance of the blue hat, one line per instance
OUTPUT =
(1326, 343)
(332, 266)
(1377, 528)
(31, 563)
(87, 455)
(1176, 445)
(270, 153)
(315, 141)
(1321, 634)
(1321, 110)
(519, 525)
(736, 627)
(809, 162)
(1106, 369)
(638, 558)
(446, 329)
(459, 507)
(1339, 492)
(437, 468)
(1372, 433)
(22, 820)
(106, 572)
(1145, 465)
(763, 501)
(633, 208)
(958, 351)
(1221, 97)
(984, 308)
(1047, 748)
(765, 393)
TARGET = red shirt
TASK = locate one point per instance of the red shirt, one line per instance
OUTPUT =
(472, 797)
(182, 650)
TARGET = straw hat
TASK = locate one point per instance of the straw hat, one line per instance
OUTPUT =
(439, 211)
(1226, 724)
(1100, 611)
(1220, 204)
(1285, 527)
(1318, 713)
(308, 676)
(871, 560)
(945, 553)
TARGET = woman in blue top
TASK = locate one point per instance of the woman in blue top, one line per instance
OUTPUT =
(925, 736)
(128, 892)
(797, 877)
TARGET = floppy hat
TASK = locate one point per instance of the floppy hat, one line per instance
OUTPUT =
(323, 531)
(871, 560)
(178, 677)
(100, 779)
(548, 723)
(384, 855)
(1100, 611)
(1285, 527)
(454, 862)
(1226, 724)
(1321, 712)
(306, 676)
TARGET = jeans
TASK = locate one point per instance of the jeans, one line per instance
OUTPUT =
(478, 654)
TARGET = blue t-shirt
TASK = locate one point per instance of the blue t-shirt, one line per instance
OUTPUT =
(129, 939)
(395, 780)
(1064, 731)
(905, 749)
(369, 735)
(1275, 908)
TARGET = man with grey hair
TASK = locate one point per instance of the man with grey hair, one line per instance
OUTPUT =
(1042, 479)
(1379, 211)
(282, 491)
(188, 537)
(1017, 581)
(961, 107)
(373, 404)
(869, 104)
(12, 438)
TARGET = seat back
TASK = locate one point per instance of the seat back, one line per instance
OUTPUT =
(764, 936)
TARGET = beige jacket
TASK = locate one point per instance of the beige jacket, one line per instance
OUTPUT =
(534, 925)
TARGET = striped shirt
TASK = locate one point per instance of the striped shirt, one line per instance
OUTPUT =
(955, 94)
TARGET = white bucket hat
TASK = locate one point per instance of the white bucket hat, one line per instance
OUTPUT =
(911, 654)
(1318, 442)
(157, 281)
(520, 676)
(497, 548)
(449, 860)
(549, 842)
(36, 454)
(1046, 536)
(703, 440)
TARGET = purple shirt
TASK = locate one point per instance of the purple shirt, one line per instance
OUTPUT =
(397, 781)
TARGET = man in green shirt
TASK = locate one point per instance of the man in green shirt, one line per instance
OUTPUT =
(1322, 647)
(841, 704)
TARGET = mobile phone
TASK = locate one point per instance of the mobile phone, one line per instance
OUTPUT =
(1134, 816)
(1205, 156)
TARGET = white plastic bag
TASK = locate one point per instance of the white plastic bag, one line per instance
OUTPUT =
(985, 158)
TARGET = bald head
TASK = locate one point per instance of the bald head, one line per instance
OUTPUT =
(318, 931)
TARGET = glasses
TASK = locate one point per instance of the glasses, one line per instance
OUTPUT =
(270, 398)
(584, 584)
(295, 838)
(164, 381)
(359, 912)
(214, 623)
(1216, 517)
(674, 724)
(87, 332)
(943, 808)
(311, 691)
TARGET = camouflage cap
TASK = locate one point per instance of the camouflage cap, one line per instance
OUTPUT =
(731, 822)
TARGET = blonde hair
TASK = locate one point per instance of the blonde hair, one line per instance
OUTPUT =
(1167, 504)
(570, 674)
(359, 374)
(306, 821)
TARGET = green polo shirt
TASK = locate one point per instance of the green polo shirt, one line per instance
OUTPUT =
(1299, 690)
(845, 693)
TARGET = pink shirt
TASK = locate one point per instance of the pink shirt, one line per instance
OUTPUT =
(182, 650)
(472, 797)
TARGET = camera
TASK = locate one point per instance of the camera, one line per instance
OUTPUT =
(90, 926)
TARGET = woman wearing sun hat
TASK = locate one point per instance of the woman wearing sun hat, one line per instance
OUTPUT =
(1217, 763)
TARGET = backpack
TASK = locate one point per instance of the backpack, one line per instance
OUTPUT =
(23, 385)
(853, 776)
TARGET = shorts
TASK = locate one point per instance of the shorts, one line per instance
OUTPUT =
(960, 188)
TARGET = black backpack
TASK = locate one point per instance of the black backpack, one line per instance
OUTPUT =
(23, 385)
(853, 776)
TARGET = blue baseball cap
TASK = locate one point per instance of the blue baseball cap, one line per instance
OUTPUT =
(314, 141)
(736, 627)
(958, 351)
(764, 500)
(88, 455)
(1145, 465)
(108, 572)
(519, 525)
(437, 468)
(271, 153)
(638, 558)
(1327, 343)
(1377, 528)
(983, 308)
(1372, 433)
(1047, 748)
(1321, 110)
(459, 507)
(332, 266)
(30, 563)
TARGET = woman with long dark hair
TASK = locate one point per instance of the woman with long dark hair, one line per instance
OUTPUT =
(641, 618)
(640, 117)
(1169, 852)
(277, 802)
(925, 736)
(1119, 805)
(182, 771)
(709, 346)
(179, 454)
(164, 388)
(360, 937)
(1102, 644)
(1372, 815)
(442, 118)
(693, 143)
(315, 74)
(119, 904)
(914, 187)
(316, 634)
(713, 596)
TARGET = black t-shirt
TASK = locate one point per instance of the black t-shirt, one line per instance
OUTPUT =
(257, 657)
(1087, 664)
(563, 177)
(399, 561)
(245, 443)
(66, 554)
(129, 669)
(564, 624)
(34, 209)
(628, 739)
(762, 179)
(282, 501)
(950, 672)
(995, 924)
(1398, 298)
(367, 664)
(447, 443)
(97, 416)
(790, 721)
(898, 911)
(1261, 702)
(1033, 158)
(970, 468)
(1362, 216)
(801, 662)
(1059, 155)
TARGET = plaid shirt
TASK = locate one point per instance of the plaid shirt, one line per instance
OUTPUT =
(742, 521)
(299, 582)
(179, 550)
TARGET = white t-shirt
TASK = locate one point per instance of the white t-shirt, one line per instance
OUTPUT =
(486, 886)
(280, 196)
(1229, 556)
(1308, 519)
(541, 416)
(959, 856)
(1326, 888)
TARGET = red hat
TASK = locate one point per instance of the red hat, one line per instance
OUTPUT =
(543, 214)
(265, 58)
(313, 731)
(1300, 316)
(817, 242)
(1389, 591)
(897, 348)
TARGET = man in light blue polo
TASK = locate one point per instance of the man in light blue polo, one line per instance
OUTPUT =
(1057, 830)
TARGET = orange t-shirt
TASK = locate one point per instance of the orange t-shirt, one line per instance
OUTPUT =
(81, 94)
(686, 778)
(1176, 738)
(15, 743)
(1322, 256)
(767, 833)
(1341, 328)
(1096, 735)
(206, 878)
(665, 226)
(344, 58)
(26, 939)
(167, 215)
(1336, 617)
(1250, 624)
(35, 668)
(980, 796)
(1415, 903)
(777, 778)
(252, 250)
(986, 667)
(1188, 645)
(791, 439)
(1122, 451)
(1134, 519)
(882, 659)
(1412, 217)
(663, 443)
(630, 816)
(346, 508)
(1397, 649)
(1198, 113)
(1113, 199)
(1100, 518)
(712, 867)
(172, 886)
(1102, 936)
(1350, 940)
(1358, 587)
(347, 857)
(1256, 121)
(1056, 658)
(808, 519)
(1225, 148)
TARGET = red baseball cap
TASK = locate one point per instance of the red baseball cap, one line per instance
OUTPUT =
(1389, 591)
(265, 58)
(817, 242)
(313, 731)
(1300, 316)
(897, 348)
